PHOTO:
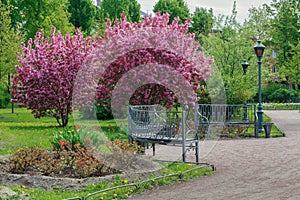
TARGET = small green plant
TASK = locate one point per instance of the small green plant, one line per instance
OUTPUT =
(113, 132)
(69, 135)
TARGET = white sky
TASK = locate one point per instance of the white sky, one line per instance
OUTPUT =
(218, 6)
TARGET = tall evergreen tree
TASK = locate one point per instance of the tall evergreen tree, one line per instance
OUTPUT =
(176, 8)
(202, 22)
(82, 14)
(114, 8)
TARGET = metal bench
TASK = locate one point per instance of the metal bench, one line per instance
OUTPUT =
(152, 124)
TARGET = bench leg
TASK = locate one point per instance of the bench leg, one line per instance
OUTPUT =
(197, 152)
(130, 139)
(153, 147)
(256, 130)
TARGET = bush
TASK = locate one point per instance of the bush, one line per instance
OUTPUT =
(103, 112)
(67, 161)
(4, 97)
(279, 94)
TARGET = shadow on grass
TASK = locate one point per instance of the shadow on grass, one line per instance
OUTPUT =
(35, 128)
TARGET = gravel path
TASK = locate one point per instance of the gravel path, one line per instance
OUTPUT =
(246, 169)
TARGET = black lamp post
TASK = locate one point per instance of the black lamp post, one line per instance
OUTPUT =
(259, 51)
(245, 67)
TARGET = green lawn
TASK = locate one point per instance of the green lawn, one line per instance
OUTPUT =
(281, 106)
(22, 129)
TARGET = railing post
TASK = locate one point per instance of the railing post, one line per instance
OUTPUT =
(196, 120)
(255, 122)
(196, 124)
(245, 112)
(183, 136)
(129, 125)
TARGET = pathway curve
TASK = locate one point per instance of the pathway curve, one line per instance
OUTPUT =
(246, 169)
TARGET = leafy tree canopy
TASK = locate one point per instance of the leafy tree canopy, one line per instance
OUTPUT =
(285, 26)
(82, 14)
(202, 22)
(149, 62)
(35, 15)
(175, 8)
(46, 84)
(10, 43)
(113, 9)
(230, 46)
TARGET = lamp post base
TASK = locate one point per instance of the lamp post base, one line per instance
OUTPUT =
(260, 118)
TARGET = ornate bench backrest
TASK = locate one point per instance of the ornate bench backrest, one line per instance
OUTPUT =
(153, 122)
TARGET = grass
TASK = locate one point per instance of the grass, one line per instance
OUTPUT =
(22, 129)
(282, 106)
(275, 132)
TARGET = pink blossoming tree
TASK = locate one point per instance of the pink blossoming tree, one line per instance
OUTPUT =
(45, 78)
(154, 46)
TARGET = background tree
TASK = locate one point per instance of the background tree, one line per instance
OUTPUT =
(10, 44)
(228, 56)
(285, 26)
(15, 12)
(82, 14)
(202, 22)
(175, 8)
(134, 11)
(230, 46)
(35, 15)
(291, 70)
(258, 24)
(113, 9)
(45, 77)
